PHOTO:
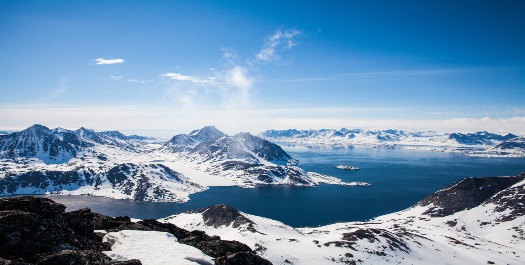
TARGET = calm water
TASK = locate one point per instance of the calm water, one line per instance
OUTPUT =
(399, 179)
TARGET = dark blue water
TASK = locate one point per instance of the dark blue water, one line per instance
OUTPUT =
(399, 179)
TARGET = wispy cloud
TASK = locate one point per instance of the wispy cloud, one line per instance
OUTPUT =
(60, 89)
(228, 54)
(137, 81)
(281, 39)
(108, 61)
(238, 77)
(231, 84)
(182, 77)
(116, 77)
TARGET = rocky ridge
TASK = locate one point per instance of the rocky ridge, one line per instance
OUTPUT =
(37, 230)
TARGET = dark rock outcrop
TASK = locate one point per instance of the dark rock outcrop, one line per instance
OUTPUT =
(222, 214)
(35, 230)
(511, 200)
(241, 258)
(36, 205)
(214, 246)
(466, 194)
(73, 257)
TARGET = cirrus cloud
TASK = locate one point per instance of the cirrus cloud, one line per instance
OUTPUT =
(108, 61)
(182, 77)
(281, 39)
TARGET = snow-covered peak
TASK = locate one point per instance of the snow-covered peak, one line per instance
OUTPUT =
(206, 134)
(36, 130)
(115, 134)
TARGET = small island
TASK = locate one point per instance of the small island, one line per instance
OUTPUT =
(346, 167)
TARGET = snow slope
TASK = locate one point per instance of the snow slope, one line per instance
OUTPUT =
(153, 248)
(491, 232)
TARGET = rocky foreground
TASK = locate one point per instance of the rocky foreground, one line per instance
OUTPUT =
(35, 230)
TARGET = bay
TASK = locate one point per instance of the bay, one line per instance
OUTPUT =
(399, 178)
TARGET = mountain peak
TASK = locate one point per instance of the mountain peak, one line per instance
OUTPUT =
(37, 129)
(115, 134)
(222, 215)
(206, 134)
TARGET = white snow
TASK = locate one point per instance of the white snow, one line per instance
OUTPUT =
(153, 248)
(468, 237)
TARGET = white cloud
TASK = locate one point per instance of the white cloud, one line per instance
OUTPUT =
(229, 86)
(181, 77)
(283, 39)
(238, 77)
(228, 54)
(108, 61)
(137, 81)
(116, 78)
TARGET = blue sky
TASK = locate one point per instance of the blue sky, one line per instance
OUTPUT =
(167, 66)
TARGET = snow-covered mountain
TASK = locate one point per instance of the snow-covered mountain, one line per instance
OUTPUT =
(40, 142)
(39, 160)
(479, 143)
(473, 221)
(243, 160)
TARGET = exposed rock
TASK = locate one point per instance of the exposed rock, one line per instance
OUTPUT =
(38, 231)
(103, 222)
(241, 258)
(73, 257)
(393, 242)
(12, 262)
(37, 205)
(222, 214)
(466, 194)
(511, 201)
(214, 246)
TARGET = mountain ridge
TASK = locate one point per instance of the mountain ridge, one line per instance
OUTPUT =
(39, 160)
(476, 144)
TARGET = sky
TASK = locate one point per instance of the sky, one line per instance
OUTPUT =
(161, 67)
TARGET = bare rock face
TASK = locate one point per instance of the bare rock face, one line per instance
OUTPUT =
(73, 257)
(37, 205)
(222, 215)
(511, 200)
(214, 246)
(241, 258)
(466, 194)
(35, 230)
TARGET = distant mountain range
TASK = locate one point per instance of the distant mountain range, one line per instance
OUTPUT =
(478, 143)
(40, 160)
